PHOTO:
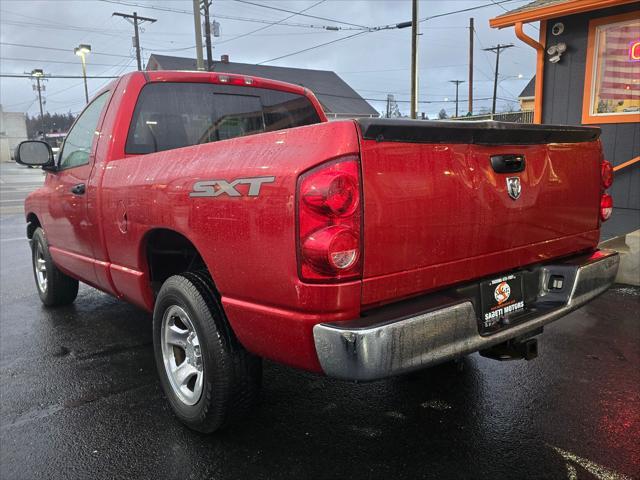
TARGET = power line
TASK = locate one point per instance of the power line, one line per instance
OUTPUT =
(445, 14)
(174, 49)
(313, 47)
(228, 17)
(375, 29)
(56, 61)
(499, 5)
(109, 33)
(54, 24)
(271, 24)
(467, 9)
(22, 75)
(271, 7)
(68, 50)
(404, 69)
(30, 102)
(102, 73)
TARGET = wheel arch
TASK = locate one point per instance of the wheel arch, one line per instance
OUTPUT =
(166, 252)
(33, 222)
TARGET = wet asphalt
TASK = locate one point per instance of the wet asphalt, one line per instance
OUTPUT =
(80, 398)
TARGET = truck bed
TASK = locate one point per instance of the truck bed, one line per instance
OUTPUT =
(436, 212)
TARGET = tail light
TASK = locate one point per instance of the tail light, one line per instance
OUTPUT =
(606, 201)
(606, 206)
(606, 172)
(329, 216)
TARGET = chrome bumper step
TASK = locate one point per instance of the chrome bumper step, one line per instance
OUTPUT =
(371, 348)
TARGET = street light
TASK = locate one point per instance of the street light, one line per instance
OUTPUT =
(82, 50)
(511, 77)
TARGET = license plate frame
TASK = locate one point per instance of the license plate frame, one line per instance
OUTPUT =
(502, 298)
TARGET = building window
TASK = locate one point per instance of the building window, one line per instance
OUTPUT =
(612, 76)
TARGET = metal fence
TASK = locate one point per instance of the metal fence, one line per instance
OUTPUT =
(344, 116)
(525, 116)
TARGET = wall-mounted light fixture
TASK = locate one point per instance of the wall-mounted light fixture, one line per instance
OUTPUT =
(557, 28)
(555, 51)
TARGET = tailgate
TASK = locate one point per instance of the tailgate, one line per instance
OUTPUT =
(437, 212)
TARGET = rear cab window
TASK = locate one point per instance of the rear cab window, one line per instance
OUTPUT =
(174, 115)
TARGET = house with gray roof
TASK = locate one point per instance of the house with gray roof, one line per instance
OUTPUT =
(337, 98)
(527, 96)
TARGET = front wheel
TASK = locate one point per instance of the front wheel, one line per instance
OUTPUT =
(54, 287)
(209, 379)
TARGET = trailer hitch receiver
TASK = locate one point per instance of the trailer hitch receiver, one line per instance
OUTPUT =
(516, 349)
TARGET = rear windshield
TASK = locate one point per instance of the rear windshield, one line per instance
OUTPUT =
(175, 115)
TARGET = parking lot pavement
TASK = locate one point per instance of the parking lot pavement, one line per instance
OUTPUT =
(16, 182)
(80, 399)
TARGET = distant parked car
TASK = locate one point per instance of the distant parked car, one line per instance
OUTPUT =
(56, 140)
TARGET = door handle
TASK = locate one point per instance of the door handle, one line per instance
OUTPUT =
(508, 163)
(78, 189)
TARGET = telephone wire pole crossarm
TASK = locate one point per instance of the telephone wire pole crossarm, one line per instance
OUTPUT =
(496, 50)
(135, 20)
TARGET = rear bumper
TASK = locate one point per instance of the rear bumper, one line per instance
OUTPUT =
(436, 328)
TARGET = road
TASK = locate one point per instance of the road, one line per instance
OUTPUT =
(16, 181)
(80, 399)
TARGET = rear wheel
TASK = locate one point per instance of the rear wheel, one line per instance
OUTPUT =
(54, 287)
(209, 379)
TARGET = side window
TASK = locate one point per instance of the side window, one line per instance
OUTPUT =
(77, 145)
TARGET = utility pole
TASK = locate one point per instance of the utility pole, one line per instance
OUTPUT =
(414, 59)
(471, 32)
(38, 74)
(198, 29)
(135, 20)
(457, 82)
(388, 106)
(496, 50)
(206, 4)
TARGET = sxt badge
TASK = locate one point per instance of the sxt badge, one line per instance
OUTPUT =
(213, 188)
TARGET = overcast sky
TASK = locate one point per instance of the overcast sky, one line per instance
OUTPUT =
(374, 64)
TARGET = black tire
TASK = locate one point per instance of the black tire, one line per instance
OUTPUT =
(231, 376)
(58, 288)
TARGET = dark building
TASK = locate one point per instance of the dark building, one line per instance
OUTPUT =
(337, 98)
(588, 72)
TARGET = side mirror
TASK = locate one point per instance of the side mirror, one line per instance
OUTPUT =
(34, 153)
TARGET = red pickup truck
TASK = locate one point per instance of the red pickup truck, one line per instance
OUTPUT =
(254, 228)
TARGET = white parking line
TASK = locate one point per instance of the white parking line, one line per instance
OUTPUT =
(15, 239)
(598, 471)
